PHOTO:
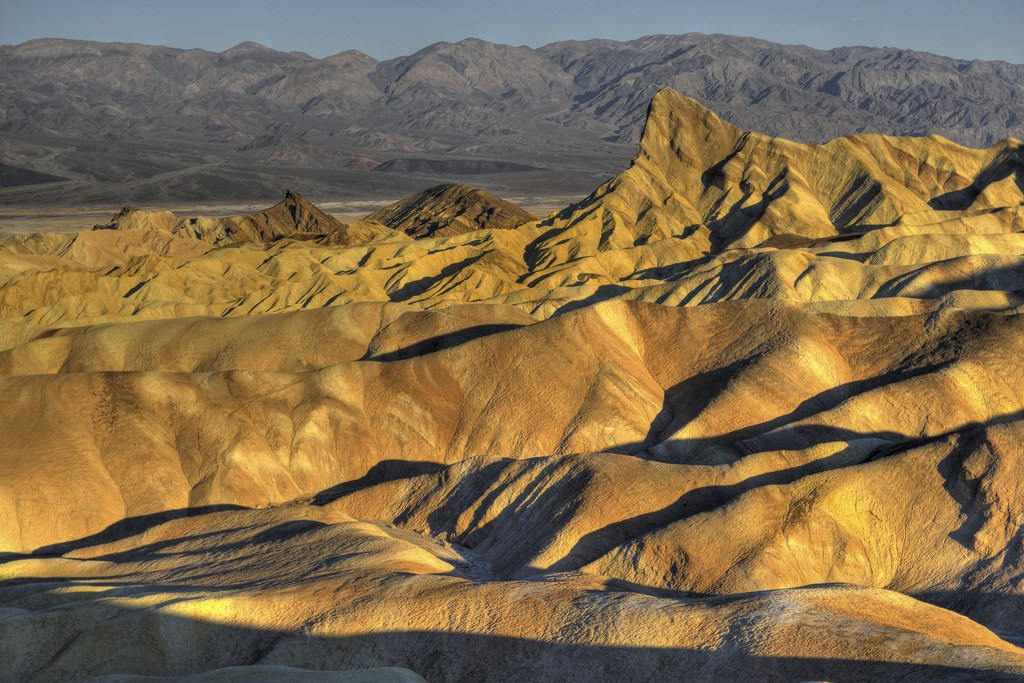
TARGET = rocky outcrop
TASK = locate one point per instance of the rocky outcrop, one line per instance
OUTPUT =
(451, 209)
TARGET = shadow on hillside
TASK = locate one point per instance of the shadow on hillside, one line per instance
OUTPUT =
(442, 656)
(1001, 613)
(736, 221)
(1008, 279)
(604, 292)
(1006, 163)
(694, 502)
(441, 342)
(415, 288)
(383, 471)
(128, 527)
(538, 509)
(861, 448)
(445, 656)
(686, 400)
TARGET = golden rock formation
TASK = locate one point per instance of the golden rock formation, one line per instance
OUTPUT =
(451, 209)
(293, 216)
(753, 408)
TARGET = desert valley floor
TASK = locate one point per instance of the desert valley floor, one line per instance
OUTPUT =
(754, 409)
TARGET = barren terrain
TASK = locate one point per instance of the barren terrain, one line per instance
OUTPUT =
(87, 124)
(752, 408)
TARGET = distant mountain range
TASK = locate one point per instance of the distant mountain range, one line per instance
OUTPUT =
(85, 122)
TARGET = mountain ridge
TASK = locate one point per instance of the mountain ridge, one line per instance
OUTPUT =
(140, 117)
(695, 169)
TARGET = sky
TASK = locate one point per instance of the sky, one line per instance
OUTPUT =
(966, 29)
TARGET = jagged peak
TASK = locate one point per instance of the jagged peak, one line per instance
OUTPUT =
(293, 196)
(678, 126)
(698, 175)
(297, 213)
(668, 100)
(669, 104)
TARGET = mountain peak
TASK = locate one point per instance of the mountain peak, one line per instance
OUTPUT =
(670, 113)
(291, 196)
(723, 188)
(678, 127)
(451, 209)
(351, 56)
(248, 46)
(294, 213)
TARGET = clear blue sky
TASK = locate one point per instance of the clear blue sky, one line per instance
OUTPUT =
(971, 29)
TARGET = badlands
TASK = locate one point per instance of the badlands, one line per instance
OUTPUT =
(752, 410)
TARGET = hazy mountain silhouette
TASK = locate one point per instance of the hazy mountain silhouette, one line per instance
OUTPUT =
(129, 122)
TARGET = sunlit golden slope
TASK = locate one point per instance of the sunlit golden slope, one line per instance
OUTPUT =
(290, 217)
(310, 587)
(701, 216)
(700, 177)
(752, 406)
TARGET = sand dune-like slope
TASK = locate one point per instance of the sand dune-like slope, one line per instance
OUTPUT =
(752, 409)
(309, 587)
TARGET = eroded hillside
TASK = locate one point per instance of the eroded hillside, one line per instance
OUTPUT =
(753, 405)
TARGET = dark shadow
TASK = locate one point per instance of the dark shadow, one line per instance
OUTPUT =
(1007, 162)
(446, 656)
(867, 191)
(738, 219)
(534, 251)
(1008, 279)
(171, 547)
(131, 292)
(694, 502)
(715, 174)
(441, 342)
(673, 271)
(684, 402)
(956, 200)
(789, 240)
(735, 222)
(130, 526)
(602, 293)
(417, 287)
(562, 214)
(464, 496)
(383, 471)
(537, 507)
(1002, 612)
(964, 490)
